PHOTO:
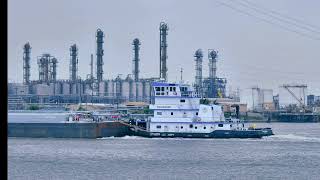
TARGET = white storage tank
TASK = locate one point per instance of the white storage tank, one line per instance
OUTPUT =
(74, 88)
(42, 89)
(125, 90)
(52, 89)
(20, 89)
(267, 95)
(139, 88)
(87, 89)
(58, 88)
(102, 88)
(111, 89)
(132, 91)
(66, 88)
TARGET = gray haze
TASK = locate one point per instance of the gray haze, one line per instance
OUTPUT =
(251, 52)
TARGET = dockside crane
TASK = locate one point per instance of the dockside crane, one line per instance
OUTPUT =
(300, 100)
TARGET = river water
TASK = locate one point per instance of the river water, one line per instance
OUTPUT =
(293, 153)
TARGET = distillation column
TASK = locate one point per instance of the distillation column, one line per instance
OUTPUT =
(163, 50)
(99, 36)
(212, 55)
(73, 63)
(198, 78)
(53, 69)
(43, 63)
(26, 63)
(47, 68)
(136, 43)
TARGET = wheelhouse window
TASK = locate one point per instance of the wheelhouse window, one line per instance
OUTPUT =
(220, 125)
(183, 89)
(158, 127)
(157, 90)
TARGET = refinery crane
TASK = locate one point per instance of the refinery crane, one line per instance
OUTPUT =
(300, 100)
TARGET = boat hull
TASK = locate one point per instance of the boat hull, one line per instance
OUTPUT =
(215, 134)
(68, 130)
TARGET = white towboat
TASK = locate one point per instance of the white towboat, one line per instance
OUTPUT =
(179, 113)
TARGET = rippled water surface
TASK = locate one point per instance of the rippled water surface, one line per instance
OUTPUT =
(293, 153)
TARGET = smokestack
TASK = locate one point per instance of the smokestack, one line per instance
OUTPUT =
(136, 43)
(99, 36)
(163, 50)
(212, 55)
(73, 63)
(26, 63)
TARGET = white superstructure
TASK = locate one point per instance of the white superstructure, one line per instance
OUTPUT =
(177, 109)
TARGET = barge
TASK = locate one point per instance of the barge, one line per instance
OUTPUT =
(76, 125)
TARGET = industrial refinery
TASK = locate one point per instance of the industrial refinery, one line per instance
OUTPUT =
(95, 88)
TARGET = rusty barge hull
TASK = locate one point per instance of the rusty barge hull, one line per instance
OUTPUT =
(68, 130)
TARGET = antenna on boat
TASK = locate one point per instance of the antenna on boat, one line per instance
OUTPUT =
(181, 71)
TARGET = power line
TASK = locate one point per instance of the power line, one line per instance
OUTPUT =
(284, 16)
(268, 21)
(275, 17)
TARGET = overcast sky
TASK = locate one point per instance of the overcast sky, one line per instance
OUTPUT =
(254, 47)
